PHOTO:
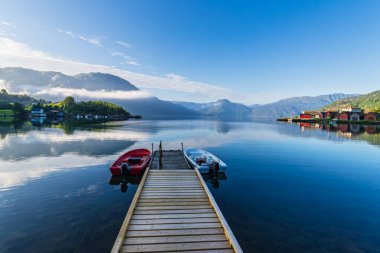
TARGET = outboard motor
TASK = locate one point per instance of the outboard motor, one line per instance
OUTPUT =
(211, 170)
(124, 169)
(215, 169)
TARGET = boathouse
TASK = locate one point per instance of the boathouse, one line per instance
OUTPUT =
(306, 116)
(345, 116)
(38, 112)
(372, 116)
(355, 116)
(55, 113)
(331, 115)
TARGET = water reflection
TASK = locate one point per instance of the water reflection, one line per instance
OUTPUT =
(370, 133)
(213, 180)
(29, 152)
(124, 181)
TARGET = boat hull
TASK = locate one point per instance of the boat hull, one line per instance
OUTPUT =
(191, 155)
(137, 161)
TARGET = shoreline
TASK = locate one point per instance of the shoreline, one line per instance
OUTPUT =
(297, 120)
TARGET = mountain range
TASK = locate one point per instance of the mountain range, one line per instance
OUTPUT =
(55, 86)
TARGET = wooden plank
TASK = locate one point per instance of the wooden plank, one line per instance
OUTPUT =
(174, 239)
(172, 177)
(173, 221)
(172, 171)
(177, 181)
(174, 226)
(173, 191)
(140, 208)
(210, 251)
(176, 247)
(174, 184)
(172, 200)
(230, 236)
(120, 237)
(178, 211)
(171, 216)
(180, 195)
(187, 186)
(179, 192)
(178, 232)
(163, 191)
(176, 203)
(173, 197)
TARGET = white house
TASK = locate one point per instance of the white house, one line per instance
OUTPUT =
(38, 112)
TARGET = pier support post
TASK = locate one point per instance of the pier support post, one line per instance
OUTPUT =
(160, 155)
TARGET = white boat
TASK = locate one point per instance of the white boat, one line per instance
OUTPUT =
(202, 160)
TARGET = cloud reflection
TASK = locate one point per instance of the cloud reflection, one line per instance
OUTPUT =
(36, 153)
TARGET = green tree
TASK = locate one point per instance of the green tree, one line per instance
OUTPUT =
(18, 108)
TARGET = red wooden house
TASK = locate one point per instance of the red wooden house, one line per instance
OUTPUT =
(372, 116)
(331, 115)
(345, 116)
(306, 116)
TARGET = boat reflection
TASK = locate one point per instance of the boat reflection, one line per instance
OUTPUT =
(124, 181)
(214, 180)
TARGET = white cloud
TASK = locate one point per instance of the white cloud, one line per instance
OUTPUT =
(5, 23)
(4, 85)
(124, 44)
(97, 94)
(96, 41)
(16, 54)
(92, 40)
(128, 59)
(6, 28)
(9, 47)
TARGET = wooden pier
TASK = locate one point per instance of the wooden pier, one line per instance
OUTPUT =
(173, 211)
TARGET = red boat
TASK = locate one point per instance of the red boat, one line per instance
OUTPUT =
(131, 163)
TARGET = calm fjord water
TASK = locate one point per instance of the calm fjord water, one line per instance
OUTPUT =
(288, 188)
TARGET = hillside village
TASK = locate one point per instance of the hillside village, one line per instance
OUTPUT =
(354, 114)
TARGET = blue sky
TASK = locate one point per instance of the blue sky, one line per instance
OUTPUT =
(246, 51)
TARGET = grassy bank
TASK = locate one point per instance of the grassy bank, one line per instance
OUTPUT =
(6, 113)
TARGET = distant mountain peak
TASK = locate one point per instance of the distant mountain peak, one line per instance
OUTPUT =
(222, 108)
(223, 100)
